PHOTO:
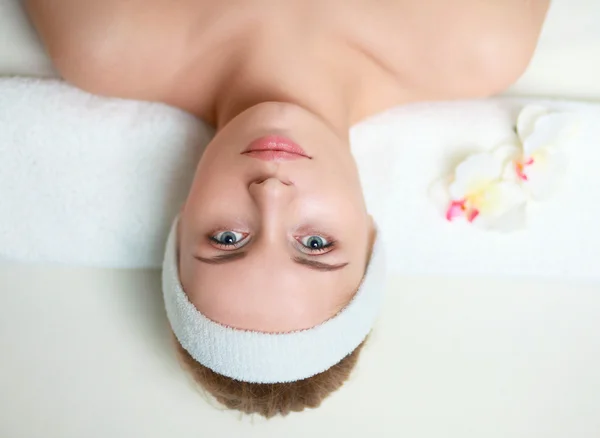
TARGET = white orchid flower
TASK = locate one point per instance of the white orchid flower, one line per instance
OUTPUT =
(491, 189)
(477, 194)
(541, 163)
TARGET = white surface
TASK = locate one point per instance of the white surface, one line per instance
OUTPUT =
(87, 352)
(449, 358)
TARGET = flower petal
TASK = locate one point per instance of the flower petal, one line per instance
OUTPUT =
(527, 119)
(456, 209)
(498, 199)
(513, 220)
(546, 174)
(507, 153)
(474, 174)
(552, 129)
(510, 173)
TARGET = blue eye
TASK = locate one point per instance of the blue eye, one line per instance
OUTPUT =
(229, 239)
(316, 244)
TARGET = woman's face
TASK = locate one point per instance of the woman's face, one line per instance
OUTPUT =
(274, 243)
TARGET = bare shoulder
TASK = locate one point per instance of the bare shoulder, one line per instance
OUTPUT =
(464, 48)
(509, 35)
(91, 43)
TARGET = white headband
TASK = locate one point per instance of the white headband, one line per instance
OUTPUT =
(271, 357)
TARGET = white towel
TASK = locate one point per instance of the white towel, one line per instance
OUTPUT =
(90, 181)
(93, 181)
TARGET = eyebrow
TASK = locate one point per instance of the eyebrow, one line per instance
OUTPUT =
(311, 264)
(319, 266)
(223, 258)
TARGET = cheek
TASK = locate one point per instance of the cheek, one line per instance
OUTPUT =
(213, 162)
(215, 198)
(221, 153)
(341, 201)
(338, 176)
(217, 175)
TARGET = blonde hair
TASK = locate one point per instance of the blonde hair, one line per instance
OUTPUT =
(273, 399)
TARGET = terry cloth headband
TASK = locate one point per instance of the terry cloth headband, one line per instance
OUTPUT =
(257, 357)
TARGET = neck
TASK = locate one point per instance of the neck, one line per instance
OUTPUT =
(319, 88)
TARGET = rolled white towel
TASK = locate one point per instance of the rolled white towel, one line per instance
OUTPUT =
(94, 181)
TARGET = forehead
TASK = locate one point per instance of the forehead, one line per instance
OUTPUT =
(270, 295)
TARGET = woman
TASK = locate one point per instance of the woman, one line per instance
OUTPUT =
(275, 237)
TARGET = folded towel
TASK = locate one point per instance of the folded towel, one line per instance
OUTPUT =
(93, 181)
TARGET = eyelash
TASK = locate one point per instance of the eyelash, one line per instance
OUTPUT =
(326, 248)
(231, 247)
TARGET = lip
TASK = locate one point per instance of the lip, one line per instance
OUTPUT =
(275, 148)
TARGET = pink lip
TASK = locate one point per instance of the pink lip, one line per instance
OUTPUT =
(275, 148)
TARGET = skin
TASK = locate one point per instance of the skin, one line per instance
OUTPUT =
(304, 69)
(278, 204)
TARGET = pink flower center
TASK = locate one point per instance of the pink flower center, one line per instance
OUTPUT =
(461, 209)
(520, 168)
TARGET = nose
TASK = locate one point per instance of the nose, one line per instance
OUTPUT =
(271, 193)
